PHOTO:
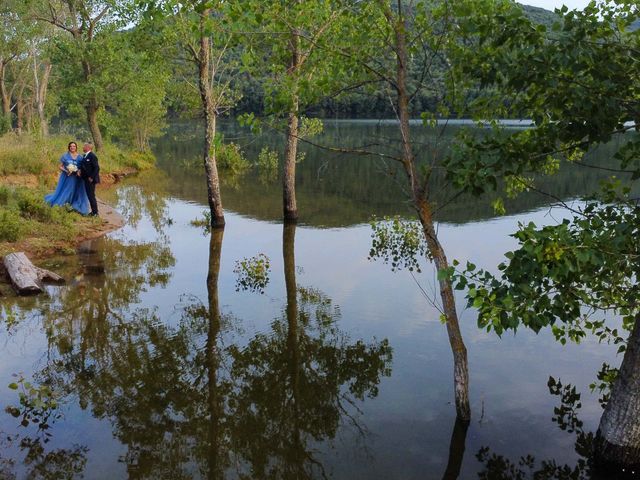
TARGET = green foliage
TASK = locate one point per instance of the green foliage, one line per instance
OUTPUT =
(5, 124)
(230, 158)
(398, 242)
(4, 195)
(38, 404)
(252, 274)
(605, 378)
(578, 84)
(310, 127)
(204, 222)
(267, 165)
(565, 273)
(11, 226)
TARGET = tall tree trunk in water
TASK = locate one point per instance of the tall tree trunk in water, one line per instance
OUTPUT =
(420, 202)
(617, 445)
(290, 206)
(210, 165)
(213, 357)
(298, 455)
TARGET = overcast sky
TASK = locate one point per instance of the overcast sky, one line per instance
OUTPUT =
(553, 4)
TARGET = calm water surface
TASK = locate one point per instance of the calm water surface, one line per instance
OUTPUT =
(163, 366)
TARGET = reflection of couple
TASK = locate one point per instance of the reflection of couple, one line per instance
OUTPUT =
(78, 178)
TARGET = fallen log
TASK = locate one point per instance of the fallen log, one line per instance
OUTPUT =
(26, 278)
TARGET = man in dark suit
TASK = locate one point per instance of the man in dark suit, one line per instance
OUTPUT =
(90, 173)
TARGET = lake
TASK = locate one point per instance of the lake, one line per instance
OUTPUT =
(160, 359)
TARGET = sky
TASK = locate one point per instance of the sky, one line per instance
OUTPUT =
(552, 4)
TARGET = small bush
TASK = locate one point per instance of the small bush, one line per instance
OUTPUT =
(268, 165)
(252, 274)
(33, 206)
(10, 226)
(231, 159)
(4, 195)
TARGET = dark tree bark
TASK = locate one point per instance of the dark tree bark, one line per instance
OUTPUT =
(214, 467)
(297, 454)
(456, 450)
(617, 445)
(91, 109)
(211, 168)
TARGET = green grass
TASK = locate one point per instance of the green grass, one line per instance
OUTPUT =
(28, 222)
(27, 154)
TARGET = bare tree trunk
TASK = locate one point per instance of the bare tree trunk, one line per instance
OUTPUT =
(40, 89)
(213, 357)
(4, 94)
(289, 178)
(92, 110)
(20, 107)
(210, 165)
(425, 214)
(94, 128)
(617, 445)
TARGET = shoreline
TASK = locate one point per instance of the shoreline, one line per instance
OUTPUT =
(111, 220)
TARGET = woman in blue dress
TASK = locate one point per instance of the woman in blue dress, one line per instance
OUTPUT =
(70, 189)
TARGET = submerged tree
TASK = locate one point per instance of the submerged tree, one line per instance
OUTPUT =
(403, 32)
(287, 52)
(579, 84)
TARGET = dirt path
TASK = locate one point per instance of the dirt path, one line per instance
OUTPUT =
(111, 220)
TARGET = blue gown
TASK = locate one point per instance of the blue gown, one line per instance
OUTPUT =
(70, 189)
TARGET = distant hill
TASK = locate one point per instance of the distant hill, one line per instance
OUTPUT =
(540, 15)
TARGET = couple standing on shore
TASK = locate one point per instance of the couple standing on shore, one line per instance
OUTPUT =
(78, 178)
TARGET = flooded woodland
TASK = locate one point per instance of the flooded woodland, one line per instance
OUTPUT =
(159, 359)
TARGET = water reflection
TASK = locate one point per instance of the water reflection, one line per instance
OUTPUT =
(39, 461)
(339, 190)
(566, 415)
(192, 400)
(301, 381)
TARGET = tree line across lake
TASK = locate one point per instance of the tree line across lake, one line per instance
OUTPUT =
(122, 74)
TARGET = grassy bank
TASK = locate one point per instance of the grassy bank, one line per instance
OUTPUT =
(28, 223)
(30, 155)
(28, 171)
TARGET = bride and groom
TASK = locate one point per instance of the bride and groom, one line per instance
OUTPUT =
(78, 178)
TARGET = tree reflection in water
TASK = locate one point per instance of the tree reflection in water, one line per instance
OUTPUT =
(299, 382)
(186, 401)
(39, 462)
(497, 467)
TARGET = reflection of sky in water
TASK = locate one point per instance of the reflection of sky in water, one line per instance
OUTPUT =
(410, 421)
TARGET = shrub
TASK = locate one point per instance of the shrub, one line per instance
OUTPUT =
(33, 206)
(231, 159)
(10, 226)
(4, 195)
